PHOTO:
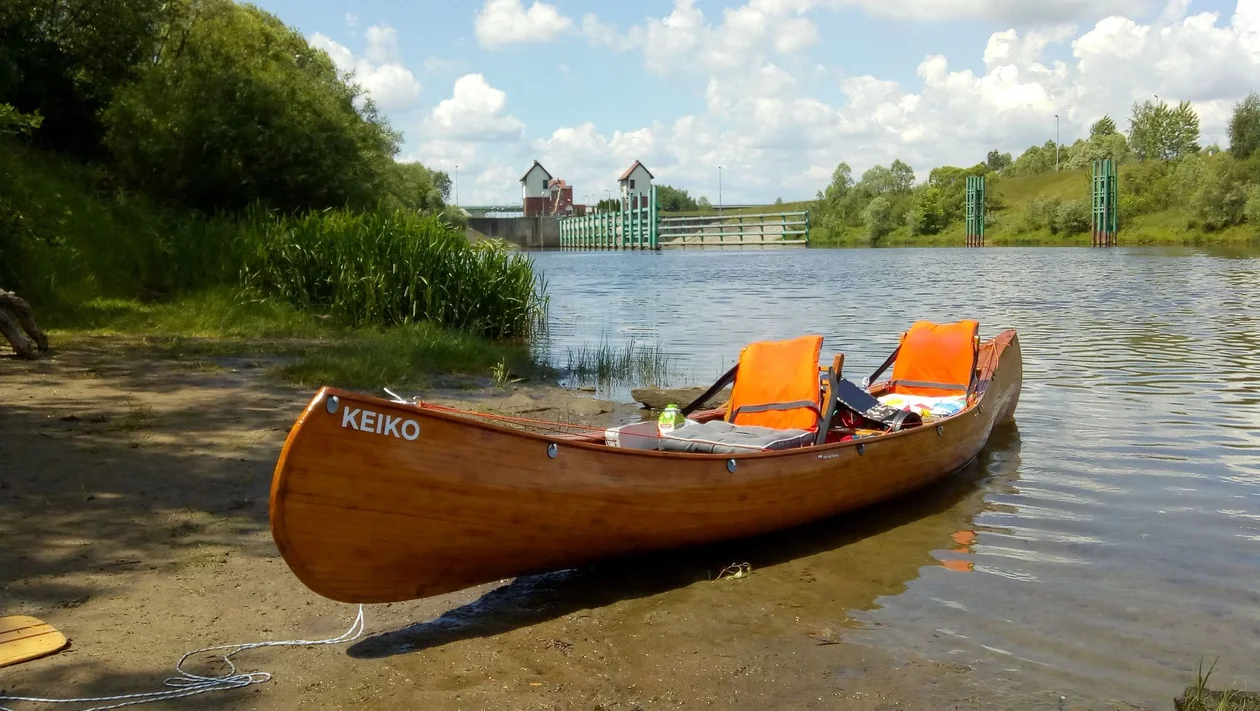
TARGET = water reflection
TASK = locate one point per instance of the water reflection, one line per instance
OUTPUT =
(1121, 544)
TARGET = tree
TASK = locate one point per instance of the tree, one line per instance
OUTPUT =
(1159, 133)
(703, 203)
(65, 59)
(236, 107)
(902, 176)
(1244, 127)
(778, 201)
(878, 218)
(1104, 126)
(998, 162)
(671, 199)
(927, 216)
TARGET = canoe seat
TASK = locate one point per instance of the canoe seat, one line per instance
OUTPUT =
(777, 385)
(720, 437)
(937, 359)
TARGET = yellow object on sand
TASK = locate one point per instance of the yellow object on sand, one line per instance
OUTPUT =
(23, 638)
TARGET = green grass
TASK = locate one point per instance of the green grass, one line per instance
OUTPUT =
(315, 350)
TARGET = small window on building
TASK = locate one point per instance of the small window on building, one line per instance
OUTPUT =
(544, 183)
(632, 183)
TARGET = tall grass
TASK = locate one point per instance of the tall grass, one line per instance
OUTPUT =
(607, 365)
(391, 269)
(67, 242)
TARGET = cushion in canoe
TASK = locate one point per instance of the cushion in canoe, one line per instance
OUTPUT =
(721, 437)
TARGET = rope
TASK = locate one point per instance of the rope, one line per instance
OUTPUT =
(188, 684)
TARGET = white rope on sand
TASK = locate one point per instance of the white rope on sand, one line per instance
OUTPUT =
(189, 684)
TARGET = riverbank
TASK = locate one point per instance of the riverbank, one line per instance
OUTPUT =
(136, 522)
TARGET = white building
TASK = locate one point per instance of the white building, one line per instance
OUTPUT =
(636, 185)
(536, 182)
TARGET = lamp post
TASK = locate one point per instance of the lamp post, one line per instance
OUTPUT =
(457, 185)
(719, 190)
(1056, 142)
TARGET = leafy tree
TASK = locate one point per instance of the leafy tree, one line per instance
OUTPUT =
(1104, 126)
(879, 219)
(703, 203)
(671, 199)
(66, 58)
(902, 176)
(998, 162)
(236, 107)
(1034, 161)
(1158, 132)
(1244, 127)
(927, 217)
(1221, 200)
(1102, 145)
(878, 180)
(778, 201)
(13, 121)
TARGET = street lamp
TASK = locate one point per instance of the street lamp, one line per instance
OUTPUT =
(1056, 142)
(719, 189)
(457, 184)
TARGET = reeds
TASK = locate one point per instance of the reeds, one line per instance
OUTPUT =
(629, 364)
(391, 269)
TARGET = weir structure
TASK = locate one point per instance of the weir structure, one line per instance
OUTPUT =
(975, 210)
(1106, 219)
(642, 227)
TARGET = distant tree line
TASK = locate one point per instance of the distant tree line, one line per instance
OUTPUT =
(1165, 168)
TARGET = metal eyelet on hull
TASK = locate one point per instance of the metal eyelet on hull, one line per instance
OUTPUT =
(331, 404)
(552, 450)
(730, 465)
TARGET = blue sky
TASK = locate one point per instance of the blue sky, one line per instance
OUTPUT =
(775, 91)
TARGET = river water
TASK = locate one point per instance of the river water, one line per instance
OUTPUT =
(1105, 542)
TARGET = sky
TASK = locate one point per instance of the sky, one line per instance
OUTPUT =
(775, 93)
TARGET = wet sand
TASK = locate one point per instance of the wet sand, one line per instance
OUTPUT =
(133, 516)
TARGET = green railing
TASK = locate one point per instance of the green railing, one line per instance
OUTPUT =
(635, 228)
(642, 227)
(748, 229)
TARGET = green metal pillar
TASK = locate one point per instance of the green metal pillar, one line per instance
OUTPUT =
(975, 210)
(1105, 188)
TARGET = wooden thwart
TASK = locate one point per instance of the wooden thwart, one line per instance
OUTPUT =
(23, 638)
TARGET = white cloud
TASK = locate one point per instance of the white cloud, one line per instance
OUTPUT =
(475, 112)
(775, 135)
(1016, 12)
(380, 71)
(504, 22)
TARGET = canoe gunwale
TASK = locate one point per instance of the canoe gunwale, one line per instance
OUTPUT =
(975, 408)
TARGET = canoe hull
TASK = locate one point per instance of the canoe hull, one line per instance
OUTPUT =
(405, 503)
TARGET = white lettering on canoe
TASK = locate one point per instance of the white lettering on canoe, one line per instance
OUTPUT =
(410, 430)
(364, 420)
(347, 418)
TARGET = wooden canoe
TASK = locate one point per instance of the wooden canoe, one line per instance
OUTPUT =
(414, 500)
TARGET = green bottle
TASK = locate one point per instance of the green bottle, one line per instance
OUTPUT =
(671, 419)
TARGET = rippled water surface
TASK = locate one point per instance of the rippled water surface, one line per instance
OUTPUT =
(1113, 537)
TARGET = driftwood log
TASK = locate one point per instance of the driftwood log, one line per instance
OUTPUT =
(658, 398)
(16, 316)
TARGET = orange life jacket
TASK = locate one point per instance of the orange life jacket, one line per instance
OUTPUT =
(936, 360)
(777, 385)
